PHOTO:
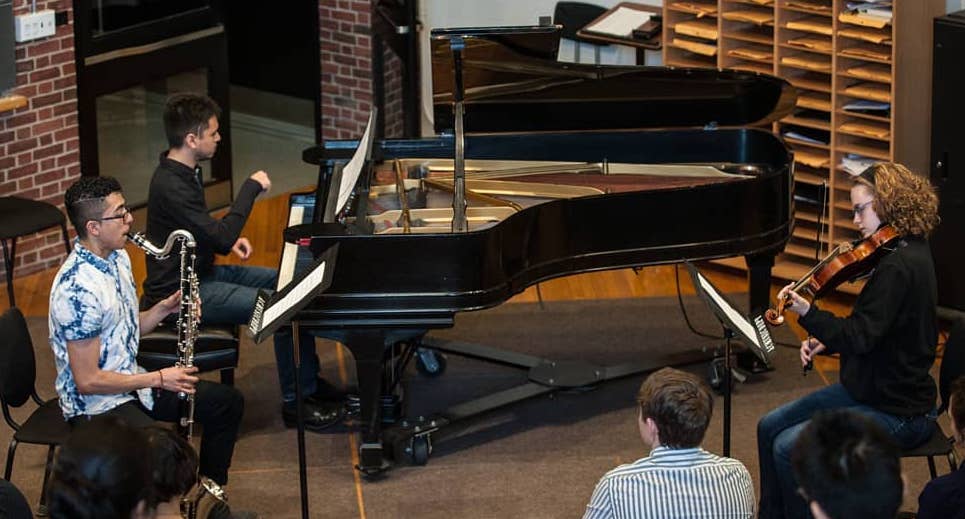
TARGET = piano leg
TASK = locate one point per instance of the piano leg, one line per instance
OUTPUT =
(368, 348)
(759, 279)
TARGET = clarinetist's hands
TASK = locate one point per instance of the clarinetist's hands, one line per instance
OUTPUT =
(169, 305)
(178, 380)
(242, 248)
(809, 348)
(797, 304)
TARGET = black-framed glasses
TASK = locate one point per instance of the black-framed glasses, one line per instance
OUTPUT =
(859, 208)
(120, 216)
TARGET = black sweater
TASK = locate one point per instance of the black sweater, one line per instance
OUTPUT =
(176, 201)
(887, 344)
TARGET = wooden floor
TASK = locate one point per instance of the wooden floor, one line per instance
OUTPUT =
(266, 223)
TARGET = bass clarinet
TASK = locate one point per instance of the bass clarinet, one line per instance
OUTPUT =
(187, 323)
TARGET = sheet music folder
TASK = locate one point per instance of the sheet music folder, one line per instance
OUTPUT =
(752, 330)
(274, 309)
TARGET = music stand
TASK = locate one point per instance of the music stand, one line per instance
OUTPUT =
(275, 309)
(753, 331)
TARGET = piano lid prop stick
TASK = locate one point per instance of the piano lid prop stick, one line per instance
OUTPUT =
(459, 221)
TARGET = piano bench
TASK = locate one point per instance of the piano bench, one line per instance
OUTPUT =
(216, 349)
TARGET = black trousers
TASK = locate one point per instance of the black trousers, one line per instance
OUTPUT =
(217, 407)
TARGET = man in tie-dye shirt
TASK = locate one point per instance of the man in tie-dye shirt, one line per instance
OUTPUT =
(95, 327)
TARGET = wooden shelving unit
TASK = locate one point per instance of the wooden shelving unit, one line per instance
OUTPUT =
(834, 61)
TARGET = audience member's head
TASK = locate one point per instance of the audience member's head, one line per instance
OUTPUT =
(675, 409)
(174, 463)
(956, 408)
(12, 503)
(101, 472)
(85, 200)
(847, 467)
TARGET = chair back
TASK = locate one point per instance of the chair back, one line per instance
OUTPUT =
(953, 361)
(573, 16)
(18, 367)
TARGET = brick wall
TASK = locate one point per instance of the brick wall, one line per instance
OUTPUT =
(39, 147)
(344, 29)
(346, 45)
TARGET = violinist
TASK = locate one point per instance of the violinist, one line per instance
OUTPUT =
(886, 345)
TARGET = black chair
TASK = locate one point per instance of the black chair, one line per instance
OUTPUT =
(18, 373)
(216, 349)
(953, 366)
(574, 16)
(20, 217)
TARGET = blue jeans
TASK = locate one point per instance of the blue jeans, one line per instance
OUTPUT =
(778, 430)
(228, 296)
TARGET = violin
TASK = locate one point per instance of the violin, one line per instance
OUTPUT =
(846, 262)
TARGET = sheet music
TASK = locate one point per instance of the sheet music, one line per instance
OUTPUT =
(352, 170)
(297, 293)
(620, 23)
(290, 251)
(746, 329)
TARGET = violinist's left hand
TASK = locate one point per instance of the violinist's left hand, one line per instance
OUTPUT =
(797, 304)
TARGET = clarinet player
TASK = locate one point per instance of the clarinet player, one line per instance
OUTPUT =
(95, 327)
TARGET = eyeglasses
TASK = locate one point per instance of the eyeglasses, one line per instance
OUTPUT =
(123, 214)
(859, 208)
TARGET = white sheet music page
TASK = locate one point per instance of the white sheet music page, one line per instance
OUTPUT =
(352, 170)
(620, 23)
(745, 327)
(297, 293)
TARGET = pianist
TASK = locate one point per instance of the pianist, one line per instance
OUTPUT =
(228, 292)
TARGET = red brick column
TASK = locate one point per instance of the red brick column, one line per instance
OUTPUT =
(39, 146)
(345, 31)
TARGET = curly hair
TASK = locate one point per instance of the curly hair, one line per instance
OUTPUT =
(905, 200)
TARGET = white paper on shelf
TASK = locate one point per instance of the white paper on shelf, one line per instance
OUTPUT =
(620, 23)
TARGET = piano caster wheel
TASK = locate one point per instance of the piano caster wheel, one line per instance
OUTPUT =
(419, 450)
(430, 363)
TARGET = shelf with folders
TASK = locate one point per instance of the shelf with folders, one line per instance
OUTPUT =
(690, 33)
(747, 35)
(863, 84)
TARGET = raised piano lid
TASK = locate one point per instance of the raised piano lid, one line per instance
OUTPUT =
(513, 83)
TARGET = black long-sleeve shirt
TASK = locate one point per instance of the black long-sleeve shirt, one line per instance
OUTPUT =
(887, 344)
(176, 201)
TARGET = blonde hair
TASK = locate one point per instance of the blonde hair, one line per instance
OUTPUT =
(905, 200)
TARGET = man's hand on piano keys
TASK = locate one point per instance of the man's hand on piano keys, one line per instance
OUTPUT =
(262, 178)
(242, 248)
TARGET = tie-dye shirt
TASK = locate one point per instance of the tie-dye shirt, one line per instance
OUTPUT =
(95, 297)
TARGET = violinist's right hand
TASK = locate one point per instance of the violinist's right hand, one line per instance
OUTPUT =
(809, 348)
(796, 304)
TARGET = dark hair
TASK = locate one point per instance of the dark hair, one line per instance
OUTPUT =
(175, 464)
(680, 403)
(849, 465)
(100, 472)
(956, 398)
(84, 200)
(187, 113)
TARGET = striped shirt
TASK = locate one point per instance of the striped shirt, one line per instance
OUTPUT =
(684, 483)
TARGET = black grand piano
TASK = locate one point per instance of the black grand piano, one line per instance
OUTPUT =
(563, 169)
